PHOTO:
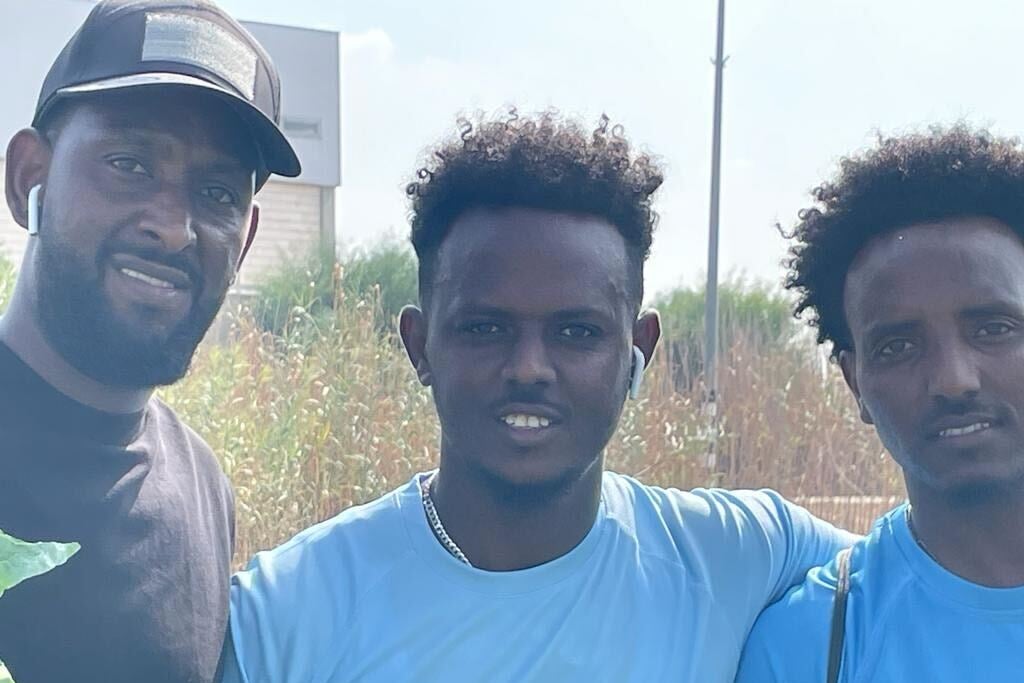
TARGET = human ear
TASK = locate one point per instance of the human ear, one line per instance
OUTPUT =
(412, 327)
(848, 364)
(28, 163)
(647, 332)
(250, 235)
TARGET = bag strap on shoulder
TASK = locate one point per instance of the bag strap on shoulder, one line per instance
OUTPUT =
(835, 645)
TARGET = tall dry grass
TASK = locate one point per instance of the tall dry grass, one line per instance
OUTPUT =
(329, 414)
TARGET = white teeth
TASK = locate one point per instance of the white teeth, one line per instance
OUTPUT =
(148, 279)
(961, 431)
(523, 421)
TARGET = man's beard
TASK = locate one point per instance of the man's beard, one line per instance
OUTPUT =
(88, 334)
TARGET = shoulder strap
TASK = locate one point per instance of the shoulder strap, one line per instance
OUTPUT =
(835, 645)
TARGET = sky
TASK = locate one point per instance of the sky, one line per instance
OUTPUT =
(807, 81)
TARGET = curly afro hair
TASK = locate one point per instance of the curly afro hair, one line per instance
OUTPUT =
(906, 180)
(546, 162)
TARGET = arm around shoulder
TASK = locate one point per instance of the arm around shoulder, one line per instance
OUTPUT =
(802, 541)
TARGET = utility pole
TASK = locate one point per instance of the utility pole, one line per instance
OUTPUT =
(711, 291)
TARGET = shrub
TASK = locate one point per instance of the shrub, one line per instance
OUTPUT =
(303, 292)
(753, 315)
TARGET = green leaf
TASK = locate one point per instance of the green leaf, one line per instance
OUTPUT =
(20, 560)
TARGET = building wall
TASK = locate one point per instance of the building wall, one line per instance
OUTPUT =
(309, 64)
(292, 223)
(290, 227)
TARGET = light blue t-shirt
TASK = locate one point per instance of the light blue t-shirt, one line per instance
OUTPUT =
(908, 619)
(664, 587)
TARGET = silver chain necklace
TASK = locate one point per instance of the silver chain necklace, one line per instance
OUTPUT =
(435, 522)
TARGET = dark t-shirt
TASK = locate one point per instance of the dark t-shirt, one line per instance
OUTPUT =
(146, 598)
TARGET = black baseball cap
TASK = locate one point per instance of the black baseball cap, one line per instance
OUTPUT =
(138, 44)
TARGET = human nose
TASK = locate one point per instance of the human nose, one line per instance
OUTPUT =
(529, 362)
(168, 220)
(953, 374)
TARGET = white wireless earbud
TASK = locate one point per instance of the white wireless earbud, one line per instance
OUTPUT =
(33, 210)
(637, 375)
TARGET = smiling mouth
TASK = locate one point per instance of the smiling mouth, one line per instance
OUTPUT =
(525, 421)
(964, 431)
(148, 279)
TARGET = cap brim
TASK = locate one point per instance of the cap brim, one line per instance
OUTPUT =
(276, 152)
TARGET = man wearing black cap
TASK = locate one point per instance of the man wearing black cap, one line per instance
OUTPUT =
(154, 128)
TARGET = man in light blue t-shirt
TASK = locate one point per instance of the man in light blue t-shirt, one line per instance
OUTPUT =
(520, 559)
(913, 264)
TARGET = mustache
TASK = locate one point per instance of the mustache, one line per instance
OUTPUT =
(186, 262)
(525, 394)
(947, 408)
(531, 395)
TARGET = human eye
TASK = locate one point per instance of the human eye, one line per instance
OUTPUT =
(893, 349)
(577, 331)
(483, 329)
(220, 195)
(128, 165)
(992, 329)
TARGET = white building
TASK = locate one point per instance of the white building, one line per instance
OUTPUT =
(297, 214)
